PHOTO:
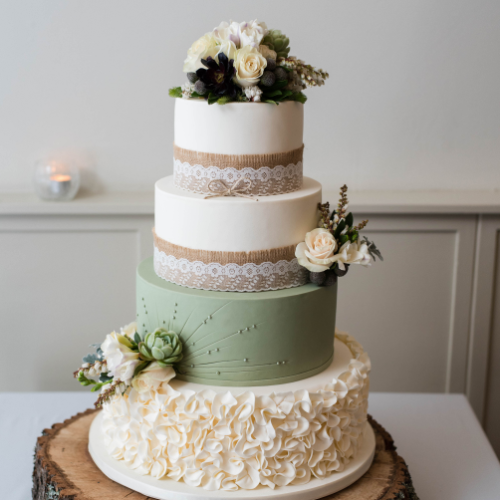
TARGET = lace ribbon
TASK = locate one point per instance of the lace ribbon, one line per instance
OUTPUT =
(255, 271)
(270, 174)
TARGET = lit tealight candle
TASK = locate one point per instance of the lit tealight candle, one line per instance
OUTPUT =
(60, 184)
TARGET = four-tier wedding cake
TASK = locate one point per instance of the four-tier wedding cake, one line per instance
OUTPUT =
(233, 376)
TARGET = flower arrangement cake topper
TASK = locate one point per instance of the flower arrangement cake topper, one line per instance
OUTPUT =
(246, 62)
(329, 250)
(127, 359)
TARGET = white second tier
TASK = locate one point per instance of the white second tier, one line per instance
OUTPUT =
(232, 243)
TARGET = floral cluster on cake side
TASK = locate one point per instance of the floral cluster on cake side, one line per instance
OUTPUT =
(127, 359)
(335, 244)
(246, 62)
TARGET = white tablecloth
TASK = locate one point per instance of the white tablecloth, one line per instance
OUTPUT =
(446, 450)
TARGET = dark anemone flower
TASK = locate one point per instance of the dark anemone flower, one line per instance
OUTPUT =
(218, 78)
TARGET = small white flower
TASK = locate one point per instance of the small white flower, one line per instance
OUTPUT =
(187, 90)
(85, 365)
(253, 93)
(97, 366)
(353, 253)
(316, 252)
(92, 372)
(121, 360)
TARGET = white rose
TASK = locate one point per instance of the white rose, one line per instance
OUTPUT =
(267, 52)
(129, 330)
(121, 360)
(252, 33)
(316, 253)
(152, 377)
(250, 65)
(201, 49)
(353, 253)
(227, 32)
(228, 48)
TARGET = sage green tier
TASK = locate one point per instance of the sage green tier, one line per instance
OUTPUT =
(241, 339)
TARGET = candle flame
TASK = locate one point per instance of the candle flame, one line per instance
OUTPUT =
(60, 178)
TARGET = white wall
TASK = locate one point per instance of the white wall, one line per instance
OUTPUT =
(412, 102)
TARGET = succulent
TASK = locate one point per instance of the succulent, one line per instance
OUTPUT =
(278, 42)
(271, 64)
(192, 77)
(268, 78)
(161, 346)
(218, 78)
(280, 73)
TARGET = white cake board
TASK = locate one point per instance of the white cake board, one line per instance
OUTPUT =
(168, 489)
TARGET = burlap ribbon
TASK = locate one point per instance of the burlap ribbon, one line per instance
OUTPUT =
(238, 162)
(272, 255)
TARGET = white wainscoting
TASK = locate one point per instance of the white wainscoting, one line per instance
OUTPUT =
(429, 314)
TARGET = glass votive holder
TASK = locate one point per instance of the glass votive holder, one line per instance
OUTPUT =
(56, 181)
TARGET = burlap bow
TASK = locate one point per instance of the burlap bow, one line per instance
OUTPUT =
(219, 187)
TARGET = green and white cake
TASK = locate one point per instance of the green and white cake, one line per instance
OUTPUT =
(232, 376)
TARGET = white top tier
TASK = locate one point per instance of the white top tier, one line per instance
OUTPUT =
(230, 224)
(238, 128)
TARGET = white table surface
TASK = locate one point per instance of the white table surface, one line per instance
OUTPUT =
(438, 435)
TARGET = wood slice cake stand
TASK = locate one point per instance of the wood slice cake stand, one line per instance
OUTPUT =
(64, 469)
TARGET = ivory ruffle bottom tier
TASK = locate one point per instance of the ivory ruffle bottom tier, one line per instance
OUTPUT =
(228, 439)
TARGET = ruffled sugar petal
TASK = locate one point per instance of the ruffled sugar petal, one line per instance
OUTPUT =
(222, 442)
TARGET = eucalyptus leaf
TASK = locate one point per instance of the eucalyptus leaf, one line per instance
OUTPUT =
(90, 359)
(104, 377)
(372, 249)
(349, 220)
(340, 227)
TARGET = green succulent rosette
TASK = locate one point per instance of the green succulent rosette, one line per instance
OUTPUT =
(161, 346)
(278, 42)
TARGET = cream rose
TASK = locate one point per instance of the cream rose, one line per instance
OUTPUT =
(152, 377)
(316, 252)
(252, 33)
(353, 253)
(201, 49)
(227, 32)
(250, 65)
(121, 360)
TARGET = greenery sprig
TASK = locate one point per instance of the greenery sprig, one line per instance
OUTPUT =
(340, 250)
(160, 346)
